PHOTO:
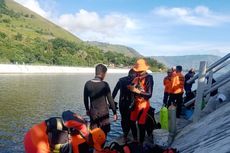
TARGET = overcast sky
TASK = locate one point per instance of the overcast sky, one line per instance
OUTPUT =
(152, 27)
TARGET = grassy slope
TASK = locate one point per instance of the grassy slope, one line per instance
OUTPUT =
(29, 25)
(27, 38)
(116, 48)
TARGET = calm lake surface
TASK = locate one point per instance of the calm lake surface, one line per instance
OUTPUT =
(29, 99)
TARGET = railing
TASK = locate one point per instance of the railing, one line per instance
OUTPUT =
(204, 89)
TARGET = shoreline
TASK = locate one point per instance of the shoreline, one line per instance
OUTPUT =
(38, 69)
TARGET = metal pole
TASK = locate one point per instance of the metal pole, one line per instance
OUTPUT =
(218, 62)
(200, 91)
(222, 66)
(190, 102)
(209, 84)
(216, 86)
(211, 66)
(221, 78)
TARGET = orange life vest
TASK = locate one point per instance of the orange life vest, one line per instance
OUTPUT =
(49, 135)
(140, 83)
(36, 139)
(178, 83)
(168, 84)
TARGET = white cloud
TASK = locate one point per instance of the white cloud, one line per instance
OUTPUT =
(150, 35)
(34, 6)
(199, 16)
(91, 23)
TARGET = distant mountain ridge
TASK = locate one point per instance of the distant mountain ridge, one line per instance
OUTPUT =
(128, 51)
(187, 61)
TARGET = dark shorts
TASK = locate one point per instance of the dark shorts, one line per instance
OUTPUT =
(100, 119)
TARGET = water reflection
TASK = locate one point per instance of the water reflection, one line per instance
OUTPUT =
(28, 99)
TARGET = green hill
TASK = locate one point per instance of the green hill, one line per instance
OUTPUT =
(115, 48)
(20, 19)
(26, 37)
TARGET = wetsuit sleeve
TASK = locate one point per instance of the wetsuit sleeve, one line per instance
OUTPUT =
(191, 76)
(86, 97)
(115, 90)
(110, 99)
(149, 88)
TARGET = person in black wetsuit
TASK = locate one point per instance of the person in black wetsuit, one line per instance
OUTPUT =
(98, 93)
(188, 86)
(125, 99)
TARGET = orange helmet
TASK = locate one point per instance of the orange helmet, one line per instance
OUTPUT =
(99, 138)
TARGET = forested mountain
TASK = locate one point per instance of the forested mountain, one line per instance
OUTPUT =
(26, 37)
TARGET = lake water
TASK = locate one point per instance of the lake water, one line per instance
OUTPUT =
(29, 99)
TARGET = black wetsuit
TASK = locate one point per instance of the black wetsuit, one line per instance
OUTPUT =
(188, 86)
(124, 102)
(147, 94)
(99, 93)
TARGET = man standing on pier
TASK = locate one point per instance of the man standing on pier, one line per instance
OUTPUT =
(177, 90)
(188, 86)
(142, 87)
(98, 93)
(167, 90)
(125, 100)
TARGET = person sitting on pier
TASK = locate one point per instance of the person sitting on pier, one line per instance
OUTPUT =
(66, 134)
(125, 99)
(141, 87)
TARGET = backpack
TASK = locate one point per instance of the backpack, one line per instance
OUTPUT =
(57, 134)
(151, 123)
(133, 147)
(115, 147)
(171, 150)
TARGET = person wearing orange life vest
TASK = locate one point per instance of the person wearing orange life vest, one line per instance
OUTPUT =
(168, 87)
(177, 90)
(141, 87)
(36, 141)
(52, 135)
(86, 138)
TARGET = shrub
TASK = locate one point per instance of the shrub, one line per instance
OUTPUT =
(18, 37)
(2, 35)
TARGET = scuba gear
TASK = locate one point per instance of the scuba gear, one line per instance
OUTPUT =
(172, 118)
(68, 134)
(164, 118)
